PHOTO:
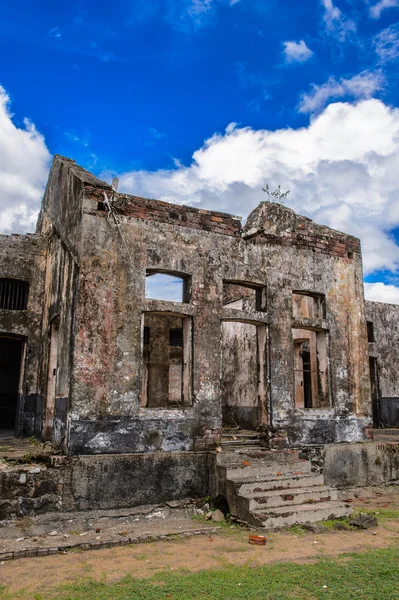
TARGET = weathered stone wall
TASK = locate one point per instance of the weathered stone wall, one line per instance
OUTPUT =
(138, 479)
(279, 250)
(95, 284)
(312, 258)
(59, 303)
(33, 489)
(23, 257)
(359, 465)
(105, 482)
(385, 350)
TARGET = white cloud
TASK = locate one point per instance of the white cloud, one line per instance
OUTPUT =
(386, 44)
(360, 86)
(186, 14)
(376, 9)
(341, 171)
(55, 32)
(380, 292)
(24, 162)
(157, 135)
(336, 23)
(296, 51)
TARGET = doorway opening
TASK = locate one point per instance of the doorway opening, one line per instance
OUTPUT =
(243, 375)
(375, 395)
(11, 350)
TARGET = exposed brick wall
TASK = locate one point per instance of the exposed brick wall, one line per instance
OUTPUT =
(174, 214)
(278, 225)
(324, 244)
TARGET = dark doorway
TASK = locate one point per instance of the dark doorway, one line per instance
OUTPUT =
(10, 368)
(375, 396)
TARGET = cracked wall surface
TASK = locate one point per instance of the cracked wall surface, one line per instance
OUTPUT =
(384, 353)
(94, 280)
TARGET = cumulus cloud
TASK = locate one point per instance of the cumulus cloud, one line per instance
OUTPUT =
(337, 24)
(296, 51)
(341, 171)
(364, 85)
(380, 292)
(24, 162)
(376, 9)
(386, 44)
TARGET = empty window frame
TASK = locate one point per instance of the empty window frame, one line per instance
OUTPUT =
(173, 287)
(13, 294)
(308, 306)
(244, 296)
(166, 376)
(311, 369)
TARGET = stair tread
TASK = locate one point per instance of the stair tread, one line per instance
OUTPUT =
(272, 476)
(316, 489)
(298, 508)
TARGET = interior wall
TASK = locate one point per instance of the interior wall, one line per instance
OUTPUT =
(239, 377)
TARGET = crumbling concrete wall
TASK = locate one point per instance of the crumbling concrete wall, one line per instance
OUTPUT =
(384, 349)
(23, 257)
(278, 250)
(105, 482)
(140, 479)
(303, 256)
(359, 465)
(95, 285)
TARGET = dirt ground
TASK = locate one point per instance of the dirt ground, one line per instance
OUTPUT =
(229, 547)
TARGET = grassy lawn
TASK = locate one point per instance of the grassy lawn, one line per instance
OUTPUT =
(372, 575)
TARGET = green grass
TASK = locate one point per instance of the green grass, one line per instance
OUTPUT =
(373, 575)
(380, 513)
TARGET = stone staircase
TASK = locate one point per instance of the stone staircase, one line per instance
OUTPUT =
(273, 488)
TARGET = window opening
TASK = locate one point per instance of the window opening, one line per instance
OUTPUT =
(176, 337)
(308, 306)
(166, 377)
(147, 335)
(245, 297)
(165, 286)
(13, 294)
(370, 331)
(311, 369)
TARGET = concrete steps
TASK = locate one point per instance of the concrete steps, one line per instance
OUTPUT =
(290, 497)
(277, 489)
(303, 513)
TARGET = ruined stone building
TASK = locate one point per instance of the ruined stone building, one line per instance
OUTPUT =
(265, 328)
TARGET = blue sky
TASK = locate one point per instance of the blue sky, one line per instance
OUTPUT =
(203, 101)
